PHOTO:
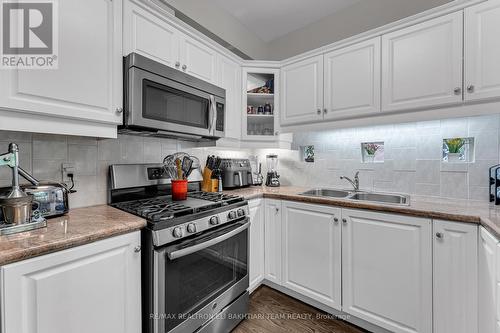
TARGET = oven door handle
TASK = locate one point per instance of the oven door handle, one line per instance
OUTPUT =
(198, 247)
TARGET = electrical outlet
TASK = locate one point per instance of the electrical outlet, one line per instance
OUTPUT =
(66, 169)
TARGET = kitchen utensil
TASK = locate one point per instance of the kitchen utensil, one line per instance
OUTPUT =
(187, 163)
(178, 164)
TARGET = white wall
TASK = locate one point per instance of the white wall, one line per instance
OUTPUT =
(361, 17)
(224, 25)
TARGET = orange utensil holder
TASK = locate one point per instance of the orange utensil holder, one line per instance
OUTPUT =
(179, 189)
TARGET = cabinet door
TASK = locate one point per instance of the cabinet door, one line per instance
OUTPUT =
(256, 270)
(482, 50)
(272, 239)
(352, 80)
(230, 79)
(387, 270)
(302, 91)
(455, 277)
(198, 59)
(91, 288)
(147, 33)
(87, 85)
(487, 249)
(422, 64)
(311, 240)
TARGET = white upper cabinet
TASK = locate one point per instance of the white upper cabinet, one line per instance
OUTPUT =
(150, 35)
(82, 95)
(302, 91)
(352, 80)
(422, 64)
(198, 59)
(90, 288)
(455, 277)
(482, 50)
(256, 256)
(230, 79)
(311, 240)
(387, 270)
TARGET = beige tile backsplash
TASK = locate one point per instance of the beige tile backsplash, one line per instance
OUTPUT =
(412, 158)
(43, 156)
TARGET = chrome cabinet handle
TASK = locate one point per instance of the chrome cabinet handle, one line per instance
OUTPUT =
(325, 111)
(184, 67)
(318, 111)
(457, 90)
(277, 210)
(137, 248)
(470, 89)
(439, 235)
(119, 110)
(344, 221)
(335, 219)
(177, 64)
(277, 133)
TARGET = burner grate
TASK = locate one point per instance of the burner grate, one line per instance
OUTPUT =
(216, 197)
(156, 209)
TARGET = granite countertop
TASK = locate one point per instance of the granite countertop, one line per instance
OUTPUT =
(80, 226)
(468, 211)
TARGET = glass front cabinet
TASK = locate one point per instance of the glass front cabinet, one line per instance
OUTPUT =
(260, 104)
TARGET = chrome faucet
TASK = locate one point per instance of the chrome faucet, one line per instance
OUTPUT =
(354, 183)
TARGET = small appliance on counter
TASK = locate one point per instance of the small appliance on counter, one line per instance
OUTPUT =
(272, 179)
(236, 173)
(16, 206)
(51, 198)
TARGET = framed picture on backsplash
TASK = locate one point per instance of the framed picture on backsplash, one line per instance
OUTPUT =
(372, 152)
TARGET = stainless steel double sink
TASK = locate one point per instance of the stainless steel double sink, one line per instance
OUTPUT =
(384, 198)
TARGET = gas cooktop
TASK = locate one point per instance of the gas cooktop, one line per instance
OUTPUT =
(163, 208)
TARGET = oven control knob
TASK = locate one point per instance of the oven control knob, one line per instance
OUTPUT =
(214, 220)
(191, 228)
(177, 233)
(231, 215)
(241, 212)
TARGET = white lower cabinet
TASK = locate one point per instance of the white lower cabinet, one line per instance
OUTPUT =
(487, 294)
(256, 256)
(91, 288)
(311, 251)
(387, 270)
(272, 241)
(455, 277)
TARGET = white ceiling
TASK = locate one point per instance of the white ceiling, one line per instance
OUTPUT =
(270, 19)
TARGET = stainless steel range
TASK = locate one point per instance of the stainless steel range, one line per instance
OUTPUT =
(194, 252)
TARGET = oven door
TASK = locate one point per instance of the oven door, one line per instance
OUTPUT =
(158, 103)
(199, 277)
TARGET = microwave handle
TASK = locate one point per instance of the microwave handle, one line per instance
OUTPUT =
(212, 115)
(198, 247)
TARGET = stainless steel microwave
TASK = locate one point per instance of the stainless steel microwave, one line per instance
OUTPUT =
(162, 101)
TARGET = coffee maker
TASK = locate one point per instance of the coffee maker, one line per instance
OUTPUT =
(272, 178)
